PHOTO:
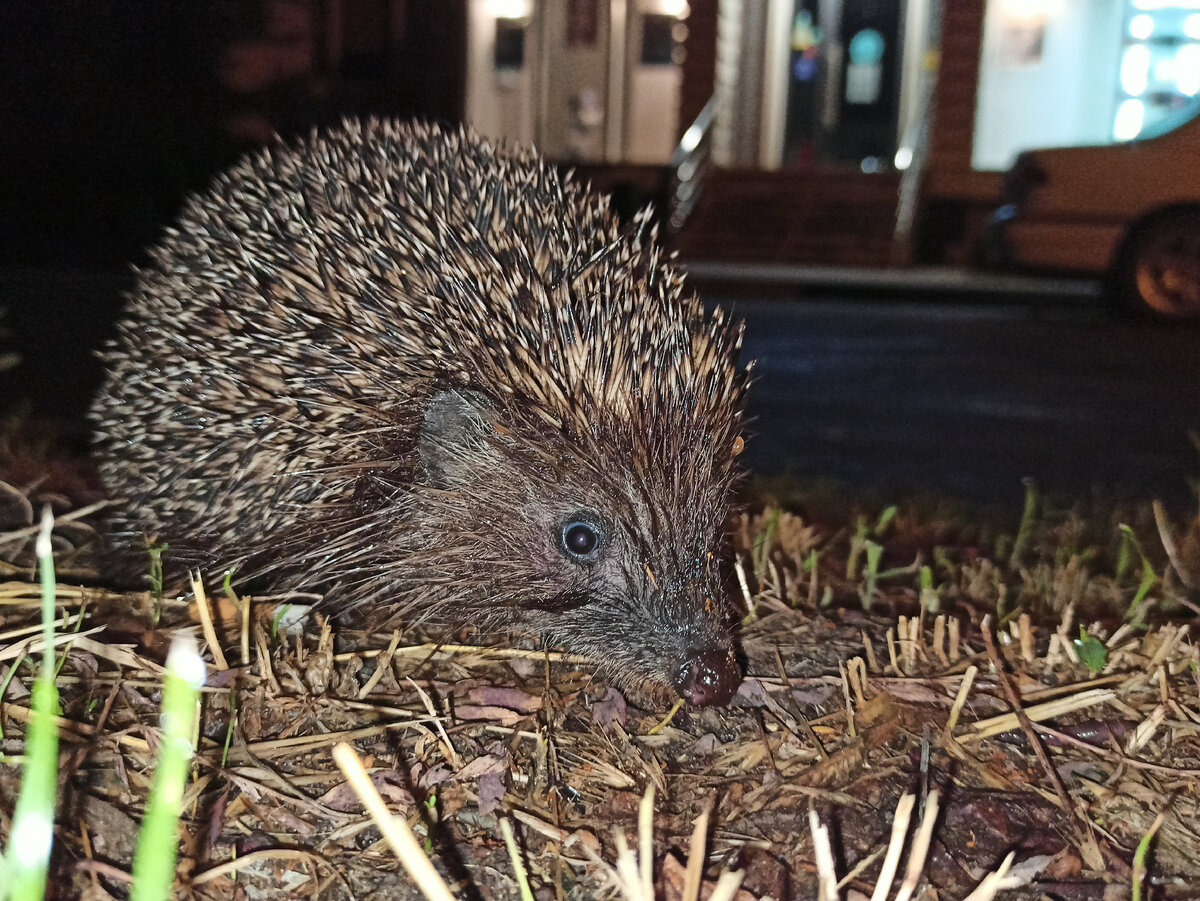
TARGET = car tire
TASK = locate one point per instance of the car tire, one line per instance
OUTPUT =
(1157, 269)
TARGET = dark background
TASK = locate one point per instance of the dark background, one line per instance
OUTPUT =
(112, 110)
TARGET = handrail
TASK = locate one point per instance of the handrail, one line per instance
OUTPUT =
(690, 164)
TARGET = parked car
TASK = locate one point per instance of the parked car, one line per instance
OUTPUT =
(1129, 212)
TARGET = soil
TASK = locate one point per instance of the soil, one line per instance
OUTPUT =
(867, 681)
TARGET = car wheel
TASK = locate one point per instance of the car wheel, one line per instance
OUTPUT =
(1158, 268)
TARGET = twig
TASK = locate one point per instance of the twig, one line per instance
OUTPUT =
(395, 829)
(646, 843)
(29, 531)
(206, 623)
(696, 854)
(823, 854)
(1088, 835)
(229, 867)
(1168, 543)
(887, 872)
(514, 854)
(1115, 756)
(919, 849)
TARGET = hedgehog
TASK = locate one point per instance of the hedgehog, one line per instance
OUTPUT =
(417, 372)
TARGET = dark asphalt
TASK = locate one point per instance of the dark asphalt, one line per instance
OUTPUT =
(962, 394)
(967, 398)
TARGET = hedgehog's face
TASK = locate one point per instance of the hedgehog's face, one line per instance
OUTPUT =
(597, 559)
(648, 601)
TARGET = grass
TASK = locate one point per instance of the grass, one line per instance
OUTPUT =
(26, 863)
(1107, 559)
(1066, 561)
(27, 858)
(158, 840)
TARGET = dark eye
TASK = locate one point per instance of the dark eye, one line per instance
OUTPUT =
(580, 540)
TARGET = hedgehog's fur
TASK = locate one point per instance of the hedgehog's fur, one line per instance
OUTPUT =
(390, 362)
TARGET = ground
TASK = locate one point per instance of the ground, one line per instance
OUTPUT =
(872, 639)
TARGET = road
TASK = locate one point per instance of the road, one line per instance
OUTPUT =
(966, 397)
(963, 393)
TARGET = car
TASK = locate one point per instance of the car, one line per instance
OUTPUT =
(1129, 212)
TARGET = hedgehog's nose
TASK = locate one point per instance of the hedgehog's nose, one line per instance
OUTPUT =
(709, 677)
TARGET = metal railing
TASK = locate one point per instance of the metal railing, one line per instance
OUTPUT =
(690, 164)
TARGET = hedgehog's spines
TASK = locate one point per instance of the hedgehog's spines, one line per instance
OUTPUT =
(273, 371)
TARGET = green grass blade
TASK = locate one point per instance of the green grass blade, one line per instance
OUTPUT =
(1029, 519)
(885, 519)
(871, 576)
(27, 859)
(762, 546)
(1149, 576)
(28, 856)
(1139, 859)
(156, 552)
(858, 543)
(931, 601)
(158, 840)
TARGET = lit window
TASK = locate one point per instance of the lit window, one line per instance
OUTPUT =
(1135, 69)
(1130, 115)
(509, 9)
(1141, 26)
(1161, 4)
(1187, 70)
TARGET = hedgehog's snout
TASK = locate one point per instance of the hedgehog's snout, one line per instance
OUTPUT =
(709, 677)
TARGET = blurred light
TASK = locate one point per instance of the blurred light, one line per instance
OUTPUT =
(869, 165)
(1187, 70)
(184, 661)
(1141, 26)
(31, 843)
(677, 8)
(1031, 9)
(904, 157)
(509, 9)
(691, 139)
(1135, 69)
(1130, 115)
(1191, 26)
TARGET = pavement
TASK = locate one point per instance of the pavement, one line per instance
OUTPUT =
(927, 376)
(934, 279)
(903, 392)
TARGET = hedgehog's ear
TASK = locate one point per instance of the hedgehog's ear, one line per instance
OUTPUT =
(453, 438)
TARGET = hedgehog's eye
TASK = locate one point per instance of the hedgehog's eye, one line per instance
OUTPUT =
(580, 540)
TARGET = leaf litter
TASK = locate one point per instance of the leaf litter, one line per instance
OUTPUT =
(927, 701)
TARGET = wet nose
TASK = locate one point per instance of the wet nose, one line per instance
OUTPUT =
(709, 678)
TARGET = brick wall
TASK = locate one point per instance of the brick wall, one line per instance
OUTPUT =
(700, 64)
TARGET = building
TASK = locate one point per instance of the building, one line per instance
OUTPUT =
(907, 111)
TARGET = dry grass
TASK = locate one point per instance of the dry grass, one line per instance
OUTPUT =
(852, 728)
